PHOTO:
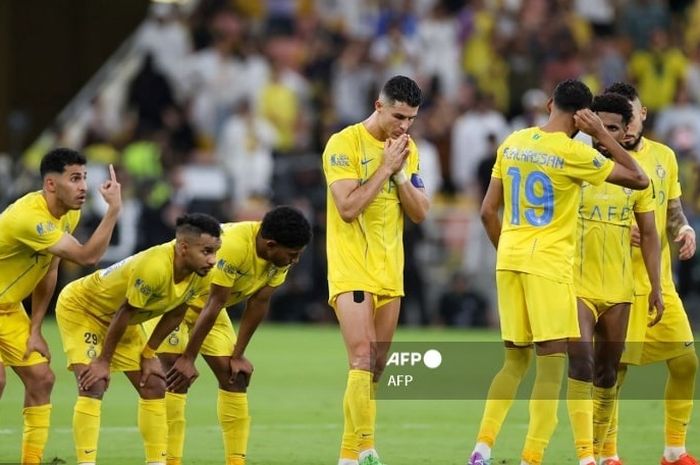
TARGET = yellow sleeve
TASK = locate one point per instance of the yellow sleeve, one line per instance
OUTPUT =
(674, 184)
(228, 263)
(340, 159)
(145, 280)
(279, 277)
(645, 200)
(36, 233)
(586, 164)
(413, 165)
(496, 170)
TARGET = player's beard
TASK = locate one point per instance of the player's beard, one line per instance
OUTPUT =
(634, 144)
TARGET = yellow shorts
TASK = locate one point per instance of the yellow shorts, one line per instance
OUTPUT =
(218, 343)
(534, 309)
(598, 306)
(669, 338)
(377, 300)
(83, 335)
(14, 333)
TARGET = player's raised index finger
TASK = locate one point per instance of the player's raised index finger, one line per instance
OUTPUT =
(112, 174)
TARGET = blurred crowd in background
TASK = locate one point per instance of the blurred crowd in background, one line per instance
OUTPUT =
(230, 105)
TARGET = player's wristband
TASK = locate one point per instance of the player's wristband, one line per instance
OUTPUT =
(400, 177)
(684, 228)
(148, 352)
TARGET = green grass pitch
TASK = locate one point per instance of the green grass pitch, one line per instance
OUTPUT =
(295, 403)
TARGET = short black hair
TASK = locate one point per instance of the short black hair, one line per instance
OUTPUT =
(613, 103)
(287, 226)
(572, 95)
(198, 224)
(402, 89)
(57, 159)
(626, 90)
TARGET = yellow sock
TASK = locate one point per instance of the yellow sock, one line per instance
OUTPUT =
(680, 387)
(579, 401)
(153, 425)
(36, 432)
(175, 408)
(362, 407)
(502, 392)
(543, 406)
(86, 428)
(348, 443)
(603, 410)
(232, 410)
(609, 448)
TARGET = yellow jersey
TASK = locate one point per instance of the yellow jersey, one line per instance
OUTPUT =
(27, 229)
(603, 260)
(144, 280)
(659, 162)
(239, 267)
(367, 253)
(542, 174)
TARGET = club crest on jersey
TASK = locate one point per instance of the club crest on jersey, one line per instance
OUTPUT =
(173, 340)
(627, 191)
(91, 352)
(660, 171)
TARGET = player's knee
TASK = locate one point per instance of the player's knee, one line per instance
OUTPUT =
(96, 391)
(605, 375)
(239, 384)
(49, 381)
(685, 366)
(361, 356)
(581, 366)
(154, 388)
(40, 381)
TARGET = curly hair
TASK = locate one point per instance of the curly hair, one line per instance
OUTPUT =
(626, 90)
(572, 95)
(613, 103)
(287, 226)
(57, 159)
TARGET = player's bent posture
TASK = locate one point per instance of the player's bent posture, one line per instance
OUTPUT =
(670, 340)
(538, 173)
(372, 174)
(254, 260)
(35, 233)
(99, 318)
(603, 274)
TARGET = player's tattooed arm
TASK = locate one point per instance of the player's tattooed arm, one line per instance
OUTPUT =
(678, 228)
(675, 217)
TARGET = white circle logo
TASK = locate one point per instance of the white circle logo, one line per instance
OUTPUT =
(432, 358)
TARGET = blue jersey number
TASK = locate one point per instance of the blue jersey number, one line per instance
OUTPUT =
(544, 200)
